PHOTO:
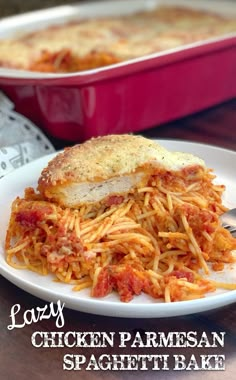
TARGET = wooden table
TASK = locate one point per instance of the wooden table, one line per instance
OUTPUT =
(20, 360)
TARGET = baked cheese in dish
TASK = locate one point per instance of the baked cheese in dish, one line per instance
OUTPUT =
(97, 42)
(122, 214)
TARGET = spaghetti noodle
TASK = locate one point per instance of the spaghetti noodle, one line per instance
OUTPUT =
(160, 239)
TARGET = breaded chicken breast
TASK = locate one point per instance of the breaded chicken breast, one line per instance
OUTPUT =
(108, 166)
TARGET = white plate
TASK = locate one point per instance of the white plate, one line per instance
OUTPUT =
(224, 163)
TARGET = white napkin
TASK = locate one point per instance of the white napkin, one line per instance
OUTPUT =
(20, 140)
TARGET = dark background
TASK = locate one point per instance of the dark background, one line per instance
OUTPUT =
(8, 7)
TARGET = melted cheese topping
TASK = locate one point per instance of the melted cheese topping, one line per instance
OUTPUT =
(125, 37)
(110, 156)
(113, 164)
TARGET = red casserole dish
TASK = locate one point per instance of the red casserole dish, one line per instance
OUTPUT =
(127, 97)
